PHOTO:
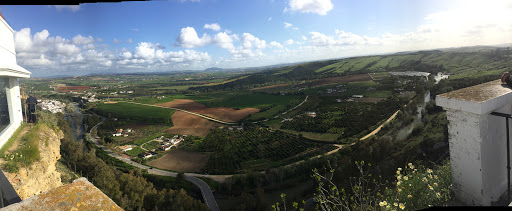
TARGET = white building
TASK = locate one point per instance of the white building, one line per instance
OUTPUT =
(10, 72)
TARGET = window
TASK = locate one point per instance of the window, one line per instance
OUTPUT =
(4, 107)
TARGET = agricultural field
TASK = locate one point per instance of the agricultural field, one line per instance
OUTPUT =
(181, 161)
(136, 113)
(253, 149)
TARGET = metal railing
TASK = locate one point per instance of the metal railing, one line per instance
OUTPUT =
(507, 116)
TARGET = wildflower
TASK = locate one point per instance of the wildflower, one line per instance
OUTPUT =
(398, 172)
(409, 196)
(399, 190)
(399, 169)
(429, 171)
(398, 183)
(435, 176)
(438, 195)
(406, 178)
(435, 184)
(431, 188)
(399, 177)
(410, 164)
(396, 204)
(383, 203)
(430, 176)
(402, 206)
(425, 179)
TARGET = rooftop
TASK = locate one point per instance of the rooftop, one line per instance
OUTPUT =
(479, 99)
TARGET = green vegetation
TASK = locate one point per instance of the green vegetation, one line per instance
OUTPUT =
(135, 151)
(27, 151)
(130, 190)
(345, 118)
(253, 149)
(11, 140)
(136, 113)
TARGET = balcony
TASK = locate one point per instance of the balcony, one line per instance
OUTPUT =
(478, 141)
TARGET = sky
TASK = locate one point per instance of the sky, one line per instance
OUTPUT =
(178, 35)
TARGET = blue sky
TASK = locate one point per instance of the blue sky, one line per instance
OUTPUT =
(194, 35)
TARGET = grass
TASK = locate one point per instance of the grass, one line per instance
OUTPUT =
(139, 113)
(254, 100)
(13, 138)
(151, 145)
(28, 150)
(135, 151)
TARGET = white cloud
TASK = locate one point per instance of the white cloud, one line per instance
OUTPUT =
(73, 8)
(320, 7)
(290, 26)
(116, 41)
(288, 42)
(188, 38)
(275, 44)
(248, 41)
(130, 40)
(81, 40)
(223, 40)
(43, 53)
(213, 26)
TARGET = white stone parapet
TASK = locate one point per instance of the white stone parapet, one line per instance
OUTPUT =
(478, 141)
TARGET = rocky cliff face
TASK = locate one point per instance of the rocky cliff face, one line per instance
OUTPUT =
(42, 175)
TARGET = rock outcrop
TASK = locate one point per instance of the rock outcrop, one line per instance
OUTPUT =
(41, 176)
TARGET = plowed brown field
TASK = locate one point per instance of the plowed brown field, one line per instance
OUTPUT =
(222, 113)
(181, 161)
(189, 124)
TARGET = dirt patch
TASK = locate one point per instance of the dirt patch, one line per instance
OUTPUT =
(342, 79)
(222, 113)
(189, 124)
(181, 160)
(269, 87)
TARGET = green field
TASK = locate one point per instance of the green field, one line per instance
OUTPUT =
(135, 151)
(136, 113)
(254, 100)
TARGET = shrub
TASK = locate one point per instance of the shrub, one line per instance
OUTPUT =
(418, 188)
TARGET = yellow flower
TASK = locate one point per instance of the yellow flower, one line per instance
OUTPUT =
(398, 172)
(409, 196)
(383, 203)
(425, 179)
(402, 206)
(399, 190)
(399, 169)
(429, 171)
(435, 176)
(438, 195)
(398, 183)
(430, 176)
(435, 184)
(410, 164)
(399, 177)
(406, 178)
(431, 188)
(396, 204)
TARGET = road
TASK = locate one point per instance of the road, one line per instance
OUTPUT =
(206, 192)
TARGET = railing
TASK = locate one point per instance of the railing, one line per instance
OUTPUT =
(507, 116)
(8, 195)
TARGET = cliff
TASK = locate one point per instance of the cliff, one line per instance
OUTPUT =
(42, 175)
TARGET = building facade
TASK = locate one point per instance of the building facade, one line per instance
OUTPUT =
(10, 73)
